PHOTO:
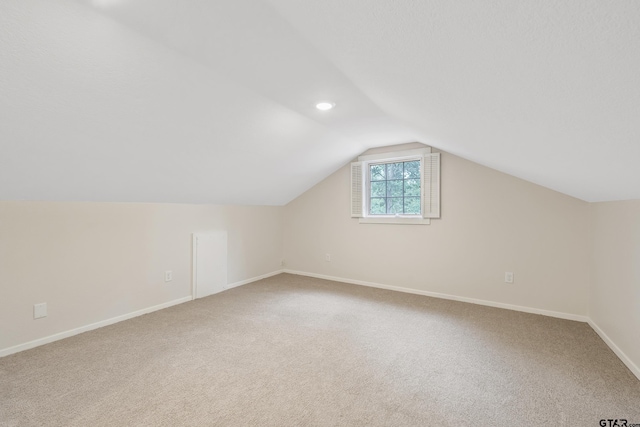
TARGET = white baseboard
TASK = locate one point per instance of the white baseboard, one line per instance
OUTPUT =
(51, 338)
(625, 359)
(550, 313)
(61, 335)
(253, 279)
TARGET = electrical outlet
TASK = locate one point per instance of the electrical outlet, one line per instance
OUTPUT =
(327, 257)
(168, 276)
(40, 310)
(282, 263)
(508, 277)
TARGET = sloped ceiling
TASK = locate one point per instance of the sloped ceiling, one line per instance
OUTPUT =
(213, 101)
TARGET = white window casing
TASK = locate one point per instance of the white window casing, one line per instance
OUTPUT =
(430, 187)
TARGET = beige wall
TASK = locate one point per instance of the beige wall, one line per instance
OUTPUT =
(491, 223)
(94, 261)
(615, 274)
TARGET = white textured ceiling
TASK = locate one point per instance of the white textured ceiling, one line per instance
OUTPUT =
(206, 101)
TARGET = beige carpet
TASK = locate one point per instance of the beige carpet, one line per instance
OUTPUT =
(291, 350)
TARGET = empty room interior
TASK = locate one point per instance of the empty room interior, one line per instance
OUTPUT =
(338, 212)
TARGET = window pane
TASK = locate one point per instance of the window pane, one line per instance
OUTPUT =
(412, 205)
(411, 187)
(378, 206)
(394, 171)
(394, 205)
(394, 188)
(378, 189)
(377, 172)
(412, 169)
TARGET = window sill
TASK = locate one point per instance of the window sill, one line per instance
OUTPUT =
(394, 220)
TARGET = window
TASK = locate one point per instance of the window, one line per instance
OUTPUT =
(400, 187)
(394, 188)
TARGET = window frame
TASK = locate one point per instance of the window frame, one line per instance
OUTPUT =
(392, 157)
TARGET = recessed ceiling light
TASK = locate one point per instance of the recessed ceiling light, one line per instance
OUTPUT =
(324, 106)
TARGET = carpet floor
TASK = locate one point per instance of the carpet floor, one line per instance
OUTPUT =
(298, 351)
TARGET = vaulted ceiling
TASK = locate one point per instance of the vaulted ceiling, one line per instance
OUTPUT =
(201, 101)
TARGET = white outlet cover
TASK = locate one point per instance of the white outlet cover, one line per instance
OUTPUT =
(168, 276)
(40, 310)
(327, 257)
(508, 277)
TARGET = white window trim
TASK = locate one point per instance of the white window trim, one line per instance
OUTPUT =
(405, 155)
(395, 155)
(383, 219)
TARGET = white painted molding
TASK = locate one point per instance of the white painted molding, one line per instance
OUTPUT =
(61, 335)
(253, 279)
(56, 337)
(532, 310)
(625, 359)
